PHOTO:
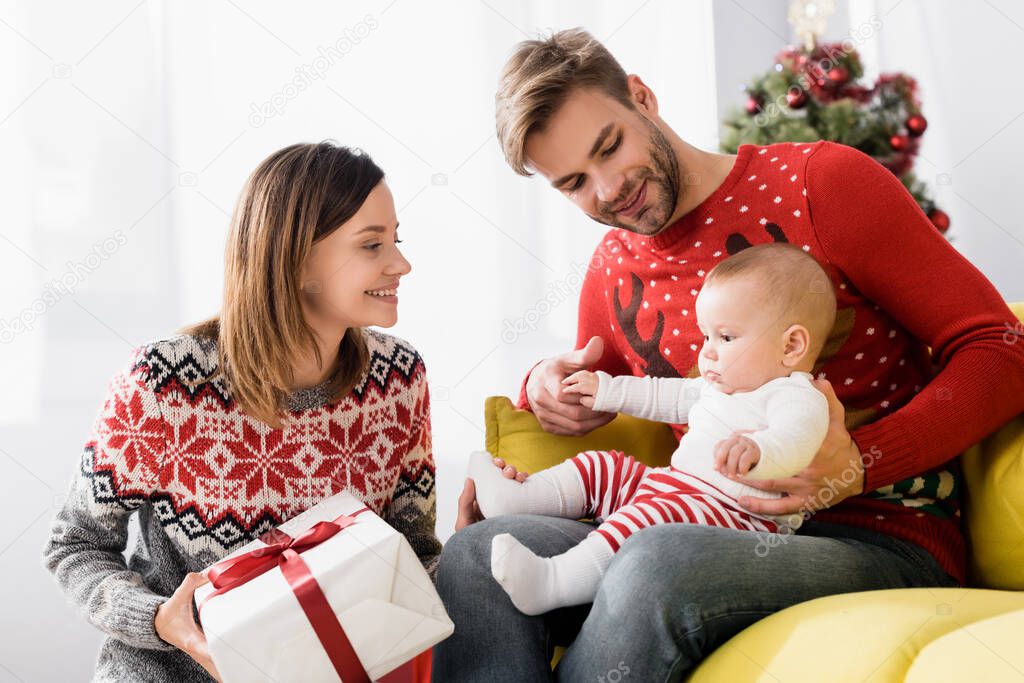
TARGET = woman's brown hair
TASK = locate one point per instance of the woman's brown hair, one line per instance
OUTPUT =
(294, 198)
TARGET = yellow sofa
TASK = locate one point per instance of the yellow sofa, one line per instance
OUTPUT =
(912, 635)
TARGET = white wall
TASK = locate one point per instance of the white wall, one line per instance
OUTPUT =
(963, 57)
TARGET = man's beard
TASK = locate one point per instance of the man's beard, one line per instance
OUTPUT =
(662, 189)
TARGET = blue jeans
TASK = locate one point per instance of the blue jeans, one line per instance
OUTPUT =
(672, 594)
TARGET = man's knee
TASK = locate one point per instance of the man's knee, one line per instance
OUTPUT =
(467, 540)
(661, 565)
(460, 557)
(468, 551)
(471, 540)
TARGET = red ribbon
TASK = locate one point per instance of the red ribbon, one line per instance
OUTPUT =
(284, 553)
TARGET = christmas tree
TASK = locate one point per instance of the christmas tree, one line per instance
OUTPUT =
(815, 93)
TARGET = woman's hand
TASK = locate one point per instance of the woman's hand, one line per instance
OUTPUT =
(835, 474)
(176, 625)
(469, 511)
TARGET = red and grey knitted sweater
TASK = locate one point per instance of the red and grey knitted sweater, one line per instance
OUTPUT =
(206, 478)
(900, 287)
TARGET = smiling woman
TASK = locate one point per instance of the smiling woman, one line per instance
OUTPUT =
(308, 244)
(218, 434)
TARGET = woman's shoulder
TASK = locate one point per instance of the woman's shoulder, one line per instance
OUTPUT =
(391, 347)
(185, 361)
(392, 358)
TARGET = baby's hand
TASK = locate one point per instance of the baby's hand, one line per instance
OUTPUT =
(736, 455)
(585, 384)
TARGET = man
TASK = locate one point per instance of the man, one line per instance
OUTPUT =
(884, 484)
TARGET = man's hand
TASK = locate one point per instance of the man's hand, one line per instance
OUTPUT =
(469, 511)
(835, 474)
(736, 455)
(560, 412)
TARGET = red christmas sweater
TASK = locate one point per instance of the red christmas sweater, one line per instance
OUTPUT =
(900, 287)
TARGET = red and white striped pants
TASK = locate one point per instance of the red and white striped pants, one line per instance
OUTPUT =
(626, 496)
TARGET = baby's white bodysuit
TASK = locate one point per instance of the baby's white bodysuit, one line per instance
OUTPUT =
(788, 416)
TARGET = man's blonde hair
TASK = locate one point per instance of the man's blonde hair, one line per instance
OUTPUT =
(793, 285)
(539, 76)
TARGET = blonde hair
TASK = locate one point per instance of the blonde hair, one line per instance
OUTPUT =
(539, 76)
(294, 198)
(793, 284)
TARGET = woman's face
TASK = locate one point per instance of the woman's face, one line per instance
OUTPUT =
(351, 276)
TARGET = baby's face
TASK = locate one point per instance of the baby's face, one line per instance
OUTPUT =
(743, 341)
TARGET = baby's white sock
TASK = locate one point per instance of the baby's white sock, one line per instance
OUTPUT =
(540, 584)
(556, 491)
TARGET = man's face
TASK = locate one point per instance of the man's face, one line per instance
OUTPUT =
(611, 161)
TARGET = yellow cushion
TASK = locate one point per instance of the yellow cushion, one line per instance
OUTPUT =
(987, 651)
(517, 437)
(870, 637)
(994, 502)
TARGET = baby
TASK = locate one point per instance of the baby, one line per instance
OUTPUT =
(752, 412)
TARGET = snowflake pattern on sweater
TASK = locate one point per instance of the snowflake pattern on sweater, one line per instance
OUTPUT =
(218, 478)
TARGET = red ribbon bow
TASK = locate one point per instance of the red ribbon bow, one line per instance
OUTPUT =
(284, 553)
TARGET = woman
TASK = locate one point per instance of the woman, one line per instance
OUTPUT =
(223, 432)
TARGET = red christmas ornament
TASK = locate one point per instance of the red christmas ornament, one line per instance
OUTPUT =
(916, 125)
(940, 219)
(838, 75)
(753, 105)
(858, 93)
(899, 142)
(796, 98)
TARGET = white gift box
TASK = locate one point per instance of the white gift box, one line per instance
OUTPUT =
(370, 577)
